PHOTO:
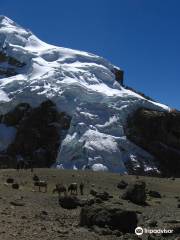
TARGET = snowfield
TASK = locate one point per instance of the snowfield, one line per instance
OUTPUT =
(84, 86)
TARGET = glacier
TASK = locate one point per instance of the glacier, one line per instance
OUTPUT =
(84, 86)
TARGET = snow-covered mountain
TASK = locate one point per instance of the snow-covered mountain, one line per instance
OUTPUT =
(82, 85)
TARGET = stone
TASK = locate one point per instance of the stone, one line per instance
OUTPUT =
(152, 223)
(122, 184)
(17, 203)
(93, 192)
(10, 180)
(69, 202)
(136, 193)
(154, 194)
(104, 196)
(109, 216)
(15, 186)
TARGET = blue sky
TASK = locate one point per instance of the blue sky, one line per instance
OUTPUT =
(140, 36)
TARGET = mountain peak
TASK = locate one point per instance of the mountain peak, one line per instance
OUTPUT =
(6, 21)
(84, 86)
(2, 17)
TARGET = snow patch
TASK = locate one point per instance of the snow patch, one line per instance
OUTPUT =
(99, 167)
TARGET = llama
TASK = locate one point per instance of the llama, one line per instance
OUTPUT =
(81, 187)
(41, 184)
(73, 187)
(60, 188)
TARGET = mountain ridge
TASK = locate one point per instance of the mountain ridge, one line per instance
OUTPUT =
(82, 85)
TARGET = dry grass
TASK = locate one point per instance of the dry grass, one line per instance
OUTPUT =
(41, 217)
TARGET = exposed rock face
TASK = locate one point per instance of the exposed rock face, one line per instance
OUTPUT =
(108, 216)
(10, 60)
(9, 65)
(159, 134)
(39, 133)
(14, 117)
(6, 160)
(119, 75)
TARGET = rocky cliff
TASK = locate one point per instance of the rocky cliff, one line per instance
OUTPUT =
(159, 134)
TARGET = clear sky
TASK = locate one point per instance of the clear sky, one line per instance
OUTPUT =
(140, 36)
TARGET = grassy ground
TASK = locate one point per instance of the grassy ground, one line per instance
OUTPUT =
(41, 217)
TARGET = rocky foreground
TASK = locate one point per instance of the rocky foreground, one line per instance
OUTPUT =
(110, 208)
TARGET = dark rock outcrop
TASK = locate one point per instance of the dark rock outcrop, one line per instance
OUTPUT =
(14, 117)
(11, 63)
(39, 134)
(108, 216)
(6, 160)
(119, 75)
(159, 134)
(136, 193)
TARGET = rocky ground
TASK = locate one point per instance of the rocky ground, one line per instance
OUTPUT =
(26, 213)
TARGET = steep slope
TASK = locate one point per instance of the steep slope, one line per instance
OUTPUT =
(159, 134)
(83, 86)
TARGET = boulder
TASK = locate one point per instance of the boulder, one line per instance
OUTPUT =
(104, 196)
(154, 194)
(17, 203)
(93, 192)
(152, 223)
(122, 184)
(90, 201)
(69, 202)
(108, 216)
(10, 180)
(15, 186)
(136, 193)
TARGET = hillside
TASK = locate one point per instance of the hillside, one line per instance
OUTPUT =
(28, 214)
